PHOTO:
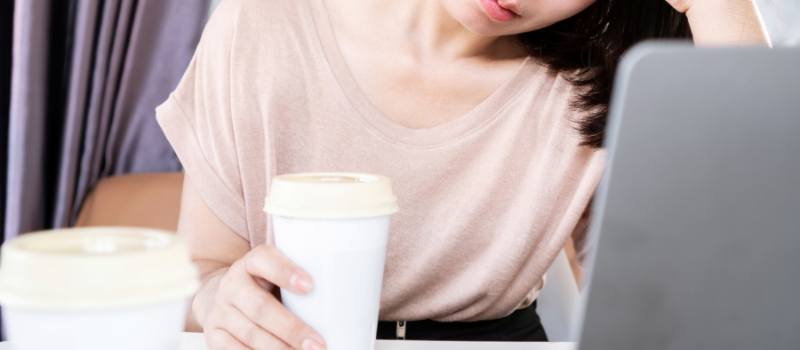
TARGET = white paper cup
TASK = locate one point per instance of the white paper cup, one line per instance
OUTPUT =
(96, 288)
(335, 226)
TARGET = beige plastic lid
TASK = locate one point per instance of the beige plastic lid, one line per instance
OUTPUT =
(331, 196)
(91, 269)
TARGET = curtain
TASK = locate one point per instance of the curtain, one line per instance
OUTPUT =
(28, 107)
(86, 78)
(6, 35)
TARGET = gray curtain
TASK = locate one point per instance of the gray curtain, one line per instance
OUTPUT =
(6, 41)
(123, 59)
(27, 115)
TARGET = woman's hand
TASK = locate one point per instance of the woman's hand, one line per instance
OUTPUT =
(243, 314)
(682, 5)
(723, 22)
(234, 306)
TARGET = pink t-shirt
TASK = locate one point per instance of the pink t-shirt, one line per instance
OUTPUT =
(486, 200)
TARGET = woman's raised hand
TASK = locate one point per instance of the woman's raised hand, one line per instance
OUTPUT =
(681, 5)
(243, 313)
(723, 22)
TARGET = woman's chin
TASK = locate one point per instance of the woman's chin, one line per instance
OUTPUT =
(477, 21)
(482, 25)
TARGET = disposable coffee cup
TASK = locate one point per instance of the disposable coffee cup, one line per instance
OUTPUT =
(335, 226)
(96, 289)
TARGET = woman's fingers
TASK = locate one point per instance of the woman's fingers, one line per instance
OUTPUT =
(269, 263)
(269, 314)
(220, 339)
(246, 316)
(249, 333)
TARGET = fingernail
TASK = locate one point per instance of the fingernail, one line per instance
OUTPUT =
(311, 344)
(301, 283)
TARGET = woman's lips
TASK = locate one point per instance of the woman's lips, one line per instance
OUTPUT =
(497, 12)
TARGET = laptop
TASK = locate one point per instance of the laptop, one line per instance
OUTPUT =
(696, 223)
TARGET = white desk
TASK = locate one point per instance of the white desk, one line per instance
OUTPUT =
(195, 341)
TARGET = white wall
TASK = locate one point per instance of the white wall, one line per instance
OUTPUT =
(212, 6)
(782, 19)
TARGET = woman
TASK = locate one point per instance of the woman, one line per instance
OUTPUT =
(486, 115)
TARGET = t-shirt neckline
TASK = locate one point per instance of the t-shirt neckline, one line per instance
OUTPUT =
(482, 114)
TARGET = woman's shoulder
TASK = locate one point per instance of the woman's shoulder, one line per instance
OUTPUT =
(556, 83)
(258, 33)
(259, 17)
(260, 8)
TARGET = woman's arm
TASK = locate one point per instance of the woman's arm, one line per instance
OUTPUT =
(213, 245)
(723, 22)
(234, 306)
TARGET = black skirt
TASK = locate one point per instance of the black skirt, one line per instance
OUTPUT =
(521, 325)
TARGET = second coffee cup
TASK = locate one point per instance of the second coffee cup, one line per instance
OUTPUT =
(97, 288)
(335, 226)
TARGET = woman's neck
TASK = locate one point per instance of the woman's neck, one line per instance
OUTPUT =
(424, 29)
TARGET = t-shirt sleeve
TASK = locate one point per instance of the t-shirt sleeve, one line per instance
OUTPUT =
(197, 121)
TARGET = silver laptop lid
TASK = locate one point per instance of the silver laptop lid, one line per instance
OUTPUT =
(697, 219)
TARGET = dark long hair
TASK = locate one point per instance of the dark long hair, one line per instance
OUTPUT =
(590, 45)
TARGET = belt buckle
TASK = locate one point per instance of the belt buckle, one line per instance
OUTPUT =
(401, 330)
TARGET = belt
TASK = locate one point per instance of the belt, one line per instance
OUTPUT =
(521, 325)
